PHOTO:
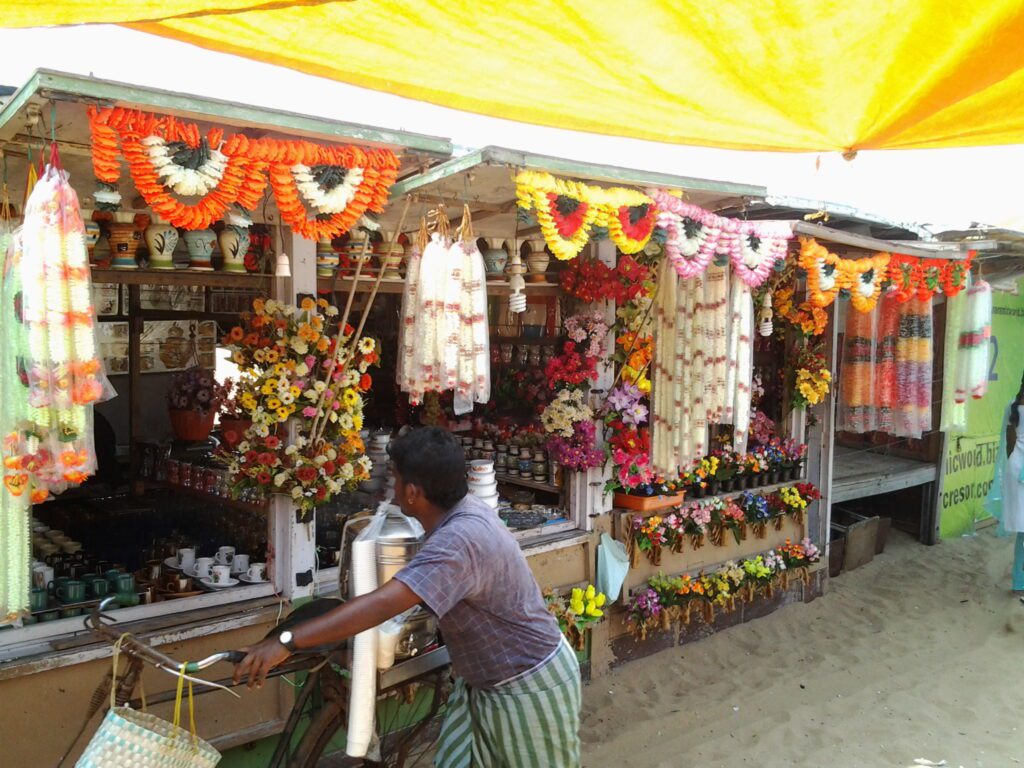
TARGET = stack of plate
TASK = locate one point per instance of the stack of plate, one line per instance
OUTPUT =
(482, 482)
(377, 450)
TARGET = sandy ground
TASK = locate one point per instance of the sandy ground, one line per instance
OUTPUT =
(919, 654)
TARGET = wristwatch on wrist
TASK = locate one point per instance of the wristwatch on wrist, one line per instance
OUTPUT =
(287, 641)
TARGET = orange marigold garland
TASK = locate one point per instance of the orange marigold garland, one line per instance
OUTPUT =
(864, 280)
(824, 278)
(240, 174)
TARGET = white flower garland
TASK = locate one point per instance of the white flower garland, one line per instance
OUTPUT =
(185, 181)
(323, 201)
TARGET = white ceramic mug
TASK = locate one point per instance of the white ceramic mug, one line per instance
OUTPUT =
(240, 564)
(257, 572)
(225, 555)
(186, 558)
(221, 574)
(203, 566)
(53, 533)
(71, 547)
(42, 575)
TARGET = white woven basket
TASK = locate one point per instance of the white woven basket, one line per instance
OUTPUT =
(131, 739)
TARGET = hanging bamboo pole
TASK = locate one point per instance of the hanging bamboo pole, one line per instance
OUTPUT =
(321, 419)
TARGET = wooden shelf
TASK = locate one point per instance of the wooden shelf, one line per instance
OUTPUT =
(396, 285)
(244, 506)
(760, 491)
(501, 477)
(179, 277)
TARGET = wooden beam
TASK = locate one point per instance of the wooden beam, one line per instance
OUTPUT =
(135, 322)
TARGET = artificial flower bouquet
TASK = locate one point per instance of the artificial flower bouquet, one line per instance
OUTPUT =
(577, 613)
(291, 369)
(572, 435)
(193, 399)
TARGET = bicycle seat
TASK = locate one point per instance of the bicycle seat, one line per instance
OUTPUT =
(310, 610)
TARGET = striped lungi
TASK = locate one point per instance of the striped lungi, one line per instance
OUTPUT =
(530, 721)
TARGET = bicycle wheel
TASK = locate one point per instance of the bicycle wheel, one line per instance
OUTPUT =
(407, 718)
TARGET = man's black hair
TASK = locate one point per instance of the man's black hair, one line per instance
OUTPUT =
(432, 458)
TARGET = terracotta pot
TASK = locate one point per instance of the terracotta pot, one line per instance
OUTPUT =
(192, 426)
(235, 426)
(495, 259)
(538, 263)
(124, 241)
(161, 238)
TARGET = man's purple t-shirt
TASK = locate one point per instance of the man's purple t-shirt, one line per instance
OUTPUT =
(472, 574)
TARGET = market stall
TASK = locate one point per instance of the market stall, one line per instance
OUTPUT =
(182, 213)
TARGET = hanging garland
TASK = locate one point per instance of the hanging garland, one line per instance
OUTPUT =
(913, 277)
(910, 276)
(337, 183)
(695, 236)
(567, 210)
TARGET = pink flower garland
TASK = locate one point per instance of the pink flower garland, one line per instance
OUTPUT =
(691, 256)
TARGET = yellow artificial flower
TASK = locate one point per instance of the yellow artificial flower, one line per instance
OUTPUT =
(366, 345)
(283, 413)
(350, 397)
(273, 404)
(271, 355)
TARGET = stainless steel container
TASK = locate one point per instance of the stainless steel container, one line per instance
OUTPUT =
(397, 544)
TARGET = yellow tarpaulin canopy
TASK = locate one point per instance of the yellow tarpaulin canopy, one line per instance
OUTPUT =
(798, 75)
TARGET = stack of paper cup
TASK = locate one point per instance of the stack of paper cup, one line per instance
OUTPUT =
(377, 451)
(482, 482)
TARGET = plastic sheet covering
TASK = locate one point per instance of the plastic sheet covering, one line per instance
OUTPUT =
(444, 334)
(913, 73)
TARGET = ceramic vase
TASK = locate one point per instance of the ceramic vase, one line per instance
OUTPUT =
(161, 239)
(538, 261)
(360, 248)
(391, 255)
(92, 236)
(124, 240)
(199, 243)
(234, 244)
(495, 258)
(326, 259)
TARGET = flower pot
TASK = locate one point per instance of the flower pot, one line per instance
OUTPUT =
(695, 492)
(124, 241)
(232, 431)
(199, 243)
(92, 236)
(646, 503)
(742, 482)
(773, 477)
(234, 244)
(495, 259)
(390, 258)
(191, 426)
(714, 488)
(161, 238)
(538, 262)
(728, 486)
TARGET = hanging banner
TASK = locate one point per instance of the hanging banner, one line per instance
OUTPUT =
(970, 458)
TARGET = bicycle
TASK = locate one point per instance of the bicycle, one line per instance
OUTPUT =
(410, 694)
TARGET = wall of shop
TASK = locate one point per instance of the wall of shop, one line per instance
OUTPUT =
(46, 732)
(970, 458)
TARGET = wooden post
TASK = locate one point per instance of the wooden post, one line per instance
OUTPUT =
(294, 542)
(825, 437)
(134, 389)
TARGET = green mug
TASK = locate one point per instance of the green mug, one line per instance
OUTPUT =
(121, 582)
(57, 582)
(71, 591)
(97, 585)
(37, 599)
(127, 599)
(112, 574)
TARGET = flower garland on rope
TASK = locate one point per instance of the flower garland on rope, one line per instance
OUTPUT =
(567, 210)
(695, 236)
(339, 183)
(828, 274)
(923, 278)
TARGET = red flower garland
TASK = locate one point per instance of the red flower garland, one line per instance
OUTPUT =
(589, 279)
